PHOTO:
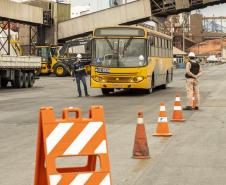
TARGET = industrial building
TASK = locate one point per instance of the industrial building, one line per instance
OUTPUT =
(209, 47)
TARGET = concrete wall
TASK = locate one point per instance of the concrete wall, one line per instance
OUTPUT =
(21, 12)
(118, 15)
(63, 12)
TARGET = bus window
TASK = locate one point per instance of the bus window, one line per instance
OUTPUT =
(149, 50)
(159, 42)
(168, 49)
(156, 42)
(168, 44)
(165, 48)
(159, 47)
(156, 47)
(151, 42)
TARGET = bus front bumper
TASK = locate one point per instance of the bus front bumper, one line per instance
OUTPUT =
(138, 85)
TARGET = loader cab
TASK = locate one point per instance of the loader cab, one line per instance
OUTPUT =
(49, 55)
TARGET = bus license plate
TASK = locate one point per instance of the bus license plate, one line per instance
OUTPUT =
(117, 86)
(102, 70)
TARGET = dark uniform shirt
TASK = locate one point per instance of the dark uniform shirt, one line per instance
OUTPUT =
(79, 69)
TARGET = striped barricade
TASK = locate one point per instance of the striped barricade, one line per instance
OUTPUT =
(71, 137)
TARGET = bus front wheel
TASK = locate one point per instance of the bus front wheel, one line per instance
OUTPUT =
(148, 91)
(106, 92)
(164, 86)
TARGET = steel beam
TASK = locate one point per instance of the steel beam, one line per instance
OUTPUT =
(163, 8)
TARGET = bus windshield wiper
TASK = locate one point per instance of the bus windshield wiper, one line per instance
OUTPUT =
(128, 43)
(109, 43)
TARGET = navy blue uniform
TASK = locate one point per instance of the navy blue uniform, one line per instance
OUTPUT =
(80, 75)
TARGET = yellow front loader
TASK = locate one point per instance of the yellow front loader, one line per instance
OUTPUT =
(50, 62)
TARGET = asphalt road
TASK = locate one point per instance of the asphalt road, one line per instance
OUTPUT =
(194, 155)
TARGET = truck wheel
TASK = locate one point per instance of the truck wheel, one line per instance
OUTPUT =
(19, 79)
(31, 79)
(60, 70)
(25, 80)
(4, 83)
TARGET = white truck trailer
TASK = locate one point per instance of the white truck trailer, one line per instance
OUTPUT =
(19, 70)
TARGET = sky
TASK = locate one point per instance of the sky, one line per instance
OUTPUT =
(217, 10)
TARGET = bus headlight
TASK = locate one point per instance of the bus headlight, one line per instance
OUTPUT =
(138, 79)
(97, 78)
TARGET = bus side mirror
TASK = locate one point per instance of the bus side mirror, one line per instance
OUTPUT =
(151, 41)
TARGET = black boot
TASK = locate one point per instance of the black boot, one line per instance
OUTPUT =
(187, 108)
(86, 92)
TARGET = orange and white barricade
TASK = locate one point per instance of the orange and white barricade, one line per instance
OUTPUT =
(70, 137)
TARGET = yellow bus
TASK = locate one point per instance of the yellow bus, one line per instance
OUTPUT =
(130, 57)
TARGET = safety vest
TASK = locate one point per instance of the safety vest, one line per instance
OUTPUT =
(195, 68)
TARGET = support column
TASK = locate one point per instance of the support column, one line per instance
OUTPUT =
(8, 37)
(41, 35)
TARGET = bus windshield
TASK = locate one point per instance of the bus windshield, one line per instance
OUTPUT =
(119, 52)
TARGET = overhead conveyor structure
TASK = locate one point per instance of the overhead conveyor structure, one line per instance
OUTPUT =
(130, 13)
(137, 11)
(162, 8)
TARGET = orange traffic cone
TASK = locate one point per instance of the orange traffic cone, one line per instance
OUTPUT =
(140, 149)
(162, 127)
(177, 111)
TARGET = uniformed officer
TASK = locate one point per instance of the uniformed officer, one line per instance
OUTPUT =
(193, 72)
(80, 75)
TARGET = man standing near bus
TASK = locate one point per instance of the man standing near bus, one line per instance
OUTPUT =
(80, 75)
(193, 72)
